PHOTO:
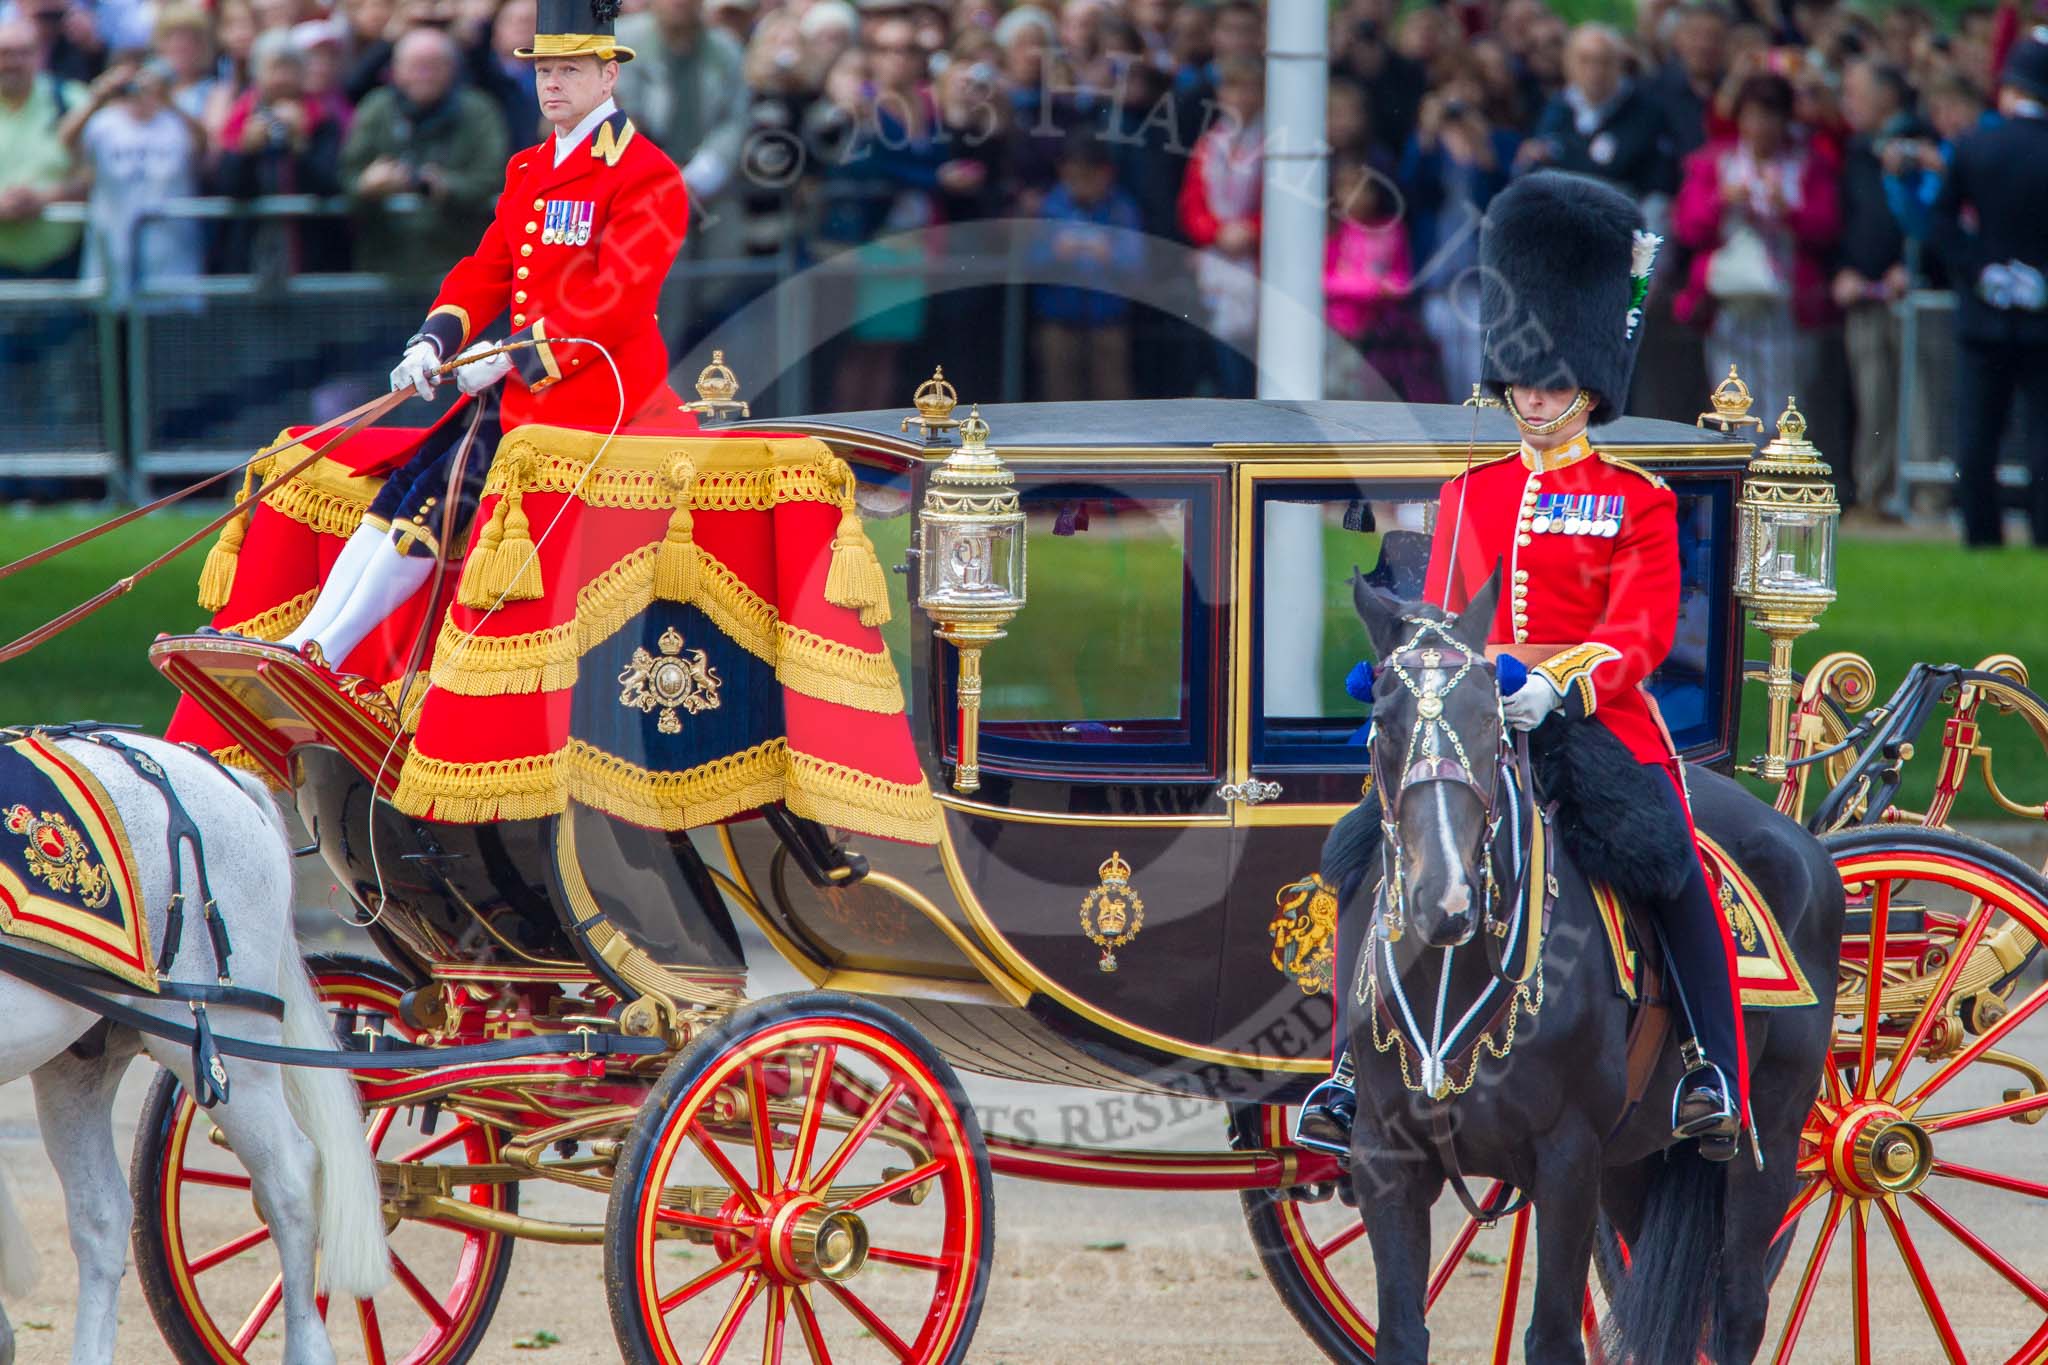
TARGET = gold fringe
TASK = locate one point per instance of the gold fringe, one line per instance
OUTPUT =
(732, 474)
(835, 672)
(529, 788)
(833, 794)
(238, 757)
(676, 562)
(217, 574)
(280, 619)
(326, 496)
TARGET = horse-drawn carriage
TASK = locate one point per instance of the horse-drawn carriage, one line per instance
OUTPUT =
(1130, 792)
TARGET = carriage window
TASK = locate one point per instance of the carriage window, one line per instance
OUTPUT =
(1109, 662)
(1308, 539)
(1691, 684)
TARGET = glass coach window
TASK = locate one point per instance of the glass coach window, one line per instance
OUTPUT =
(1111, 664)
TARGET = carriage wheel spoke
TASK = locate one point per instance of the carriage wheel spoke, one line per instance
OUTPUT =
(1983, 1043)
(739, 1261)
(869, 1319)
(764, 1145)
(1455, 1255)
(1341, 1240)
(822, 1064)
(227, 1251)
(1990, 1113)
(915, 1259)
(1937, 1000)
(1994, 1179)
(380, 1127)
(227, 1180)
(1930, 1303)
(1983, 1251)
(1814, 1189)
(771, 1339)
(807, 1323)
(1859, 1265)
(735, 1312)
(373, 1332)
(440, 1143)
(702, 1221)
(1873, 992)
(708, 1145)
(260, 1314)
(1809, 1280)
(894, 1185)
(852, 1141)
(421, 1295)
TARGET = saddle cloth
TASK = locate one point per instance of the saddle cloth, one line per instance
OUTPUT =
(67, 872)
(1765, 969)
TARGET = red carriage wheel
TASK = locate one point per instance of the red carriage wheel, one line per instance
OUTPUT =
(203, 1254)
(806, 1183)
(1316, 1254)
(1904, 1242)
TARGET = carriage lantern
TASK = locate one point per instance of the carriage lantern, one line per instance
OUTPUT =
(1785, 559)
(971, 569)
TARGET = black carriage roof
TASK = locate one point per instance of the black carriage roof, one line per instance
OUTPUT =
(1229, 426)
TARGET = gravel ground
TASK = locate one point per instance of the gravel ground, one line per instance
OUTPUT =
(1148, 1277)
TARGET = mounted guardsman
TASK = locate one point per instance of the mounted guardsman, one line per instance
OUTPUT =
(587, 227)
(1588, 545)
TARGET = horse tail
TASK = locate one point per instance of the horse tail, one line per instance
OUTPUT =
(1662, 1308)
(354, 1258)
(19, 1265)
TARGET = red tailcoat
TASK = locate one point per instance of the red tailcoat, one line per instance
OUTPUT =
(1593, 610)
(576, 250)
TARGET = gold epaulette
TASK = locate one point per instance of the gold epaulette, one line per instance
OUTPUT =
(1634, 468)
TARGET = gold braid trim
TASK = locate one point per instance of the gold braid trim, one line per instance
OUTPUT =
(325, 496)
(528, 788)
(279, 620)
(731, 475)
(833, 794)
(547, 660)
(237, 757)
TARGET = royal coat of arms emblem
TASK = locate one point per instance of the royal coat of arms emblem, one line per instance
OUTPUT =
(672, 681)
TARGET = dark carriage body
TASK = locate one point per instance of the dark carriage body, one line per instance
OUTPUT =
(1148, 707)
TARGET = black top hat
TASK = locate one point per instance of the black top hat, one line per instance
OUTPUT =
(1564, 267)
(576, 28)
(2026, 68)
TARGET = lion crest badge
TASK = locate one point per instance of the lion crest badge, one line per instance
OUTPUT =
(672, 681)
(1111, 913)
(1305, 933)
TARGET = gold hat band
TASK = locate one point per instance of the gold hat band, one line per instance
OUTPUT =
(600, 45)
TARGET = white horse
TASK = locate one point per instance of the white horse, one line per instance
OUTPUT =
(298, 1131)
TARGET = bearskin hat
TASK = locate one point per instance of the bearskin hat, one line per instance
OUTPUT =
(1564, 266)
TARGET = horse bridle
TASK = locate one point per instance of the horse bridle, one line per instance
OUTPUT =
(1425, 760)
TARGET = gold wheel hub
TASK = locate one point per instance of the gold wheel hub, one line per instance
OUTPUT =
(1875, 1151)
(807, 1241)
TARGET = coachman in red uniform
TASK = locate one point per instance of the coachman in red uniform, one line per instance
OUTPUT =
(587, 227)
(1589, 545)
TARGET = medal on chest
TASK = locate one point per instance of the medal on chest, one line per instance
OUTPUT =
(568, 222)
(1577, 514)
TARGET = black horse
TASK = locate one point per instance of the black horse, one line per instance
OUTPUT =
(1548, 1117)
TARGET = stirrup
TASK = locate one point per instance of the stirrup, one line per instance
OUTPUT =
(1323, 1123)
(1703, 1107)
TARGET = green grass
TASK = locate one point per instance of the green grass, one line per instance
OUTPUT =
(1098, 639)
(99, 669)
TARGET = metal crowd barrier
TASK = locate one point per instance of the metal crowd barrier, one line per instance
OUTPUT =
(1926, 428)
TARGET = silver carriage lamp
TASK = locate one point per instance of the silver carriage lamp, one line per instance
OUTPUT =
(1785, 560)
(970, 556)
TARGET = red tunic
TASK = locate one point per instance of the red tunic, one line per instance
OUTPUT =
(1603, 602)
(576, 250)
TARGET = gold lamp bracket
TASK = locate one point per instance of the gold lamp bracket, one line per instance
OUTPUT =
(1482, 399)
(935, 400)
(717, 392)
(1731, 402)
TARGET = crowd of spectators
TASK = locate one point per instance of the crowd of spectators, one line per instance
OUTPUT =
(1789, 151)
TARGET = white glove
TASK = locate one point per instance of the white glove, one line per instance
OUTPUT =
(1534, 700)
(422, 360)
(478, 375)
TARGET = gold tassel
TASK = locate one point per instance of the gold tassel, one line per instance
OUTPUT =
(516, 575)
(217, 575)
(474, 590)
(855, 578)
(675, 561)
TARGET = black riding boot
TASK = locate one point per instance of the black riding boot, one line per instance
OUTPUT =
(1324, 1121)
(1706, 1105)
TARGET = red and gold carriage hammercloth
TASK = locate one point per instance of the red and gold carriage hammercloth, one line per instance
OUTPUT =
(67, 873)
(685, 629)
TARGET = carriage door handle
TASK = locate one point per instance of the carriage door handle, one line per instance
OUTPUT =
(1251, 791)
